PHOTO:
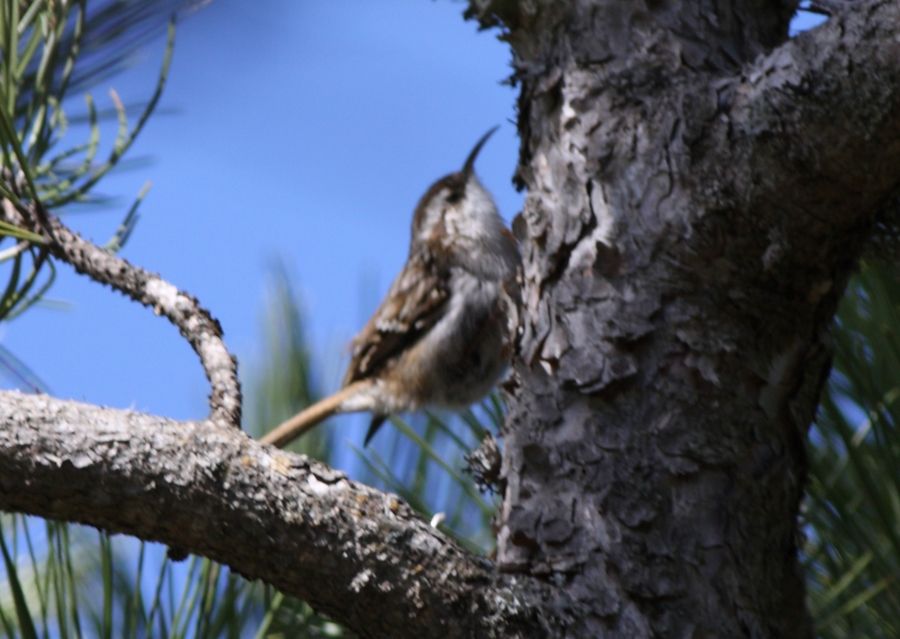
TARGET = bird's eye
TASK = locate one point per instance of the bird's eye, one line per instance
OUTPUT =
(453, 197)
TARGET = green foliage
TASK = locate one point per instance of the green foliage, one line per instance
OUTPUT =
(424, 462)
(48, 50)
(853, 506)
(283, 385)
(69, 581)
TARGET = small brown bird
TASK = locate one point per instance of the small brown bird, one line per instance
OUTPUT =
(443, 335)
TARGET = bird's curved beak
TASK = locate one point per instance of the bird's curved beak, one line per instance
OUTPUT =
(469, 166)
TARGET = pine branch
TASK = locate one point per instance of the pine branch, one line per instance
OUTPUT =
(196, 324)
(362, 556)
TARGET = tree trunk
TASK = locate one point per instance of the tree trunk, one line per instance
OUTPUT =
(693, 214)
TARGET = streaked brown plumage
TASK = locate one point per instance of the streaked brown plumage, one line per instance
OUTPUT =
(443, 334)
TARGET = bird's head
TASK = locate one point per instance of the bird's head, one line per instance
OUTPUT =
(457, 205)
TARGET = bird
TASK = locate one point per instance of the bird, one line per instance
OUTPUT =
(445, 332)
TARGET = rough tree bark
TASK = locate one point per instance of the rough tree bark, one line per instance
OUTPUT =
(351, 551)
(698, 193)
(699, 189)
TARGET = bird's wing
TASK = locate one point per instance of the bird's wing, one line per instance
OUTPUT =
(413, 305)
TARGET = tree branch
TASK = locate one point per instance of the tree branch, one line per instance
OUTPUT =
(813, 128)
(196, 324)
(360, 555)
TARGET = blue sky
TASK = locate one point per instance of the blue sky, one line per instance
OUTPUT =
(300, 131)
(303, 131)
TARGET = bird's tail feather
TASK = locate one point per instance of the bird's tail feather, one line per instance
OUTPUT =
(288, 431)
